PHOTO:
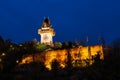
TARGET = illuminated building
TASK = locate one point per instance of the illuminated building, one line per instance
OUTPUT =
(80, 56)
(46, 32)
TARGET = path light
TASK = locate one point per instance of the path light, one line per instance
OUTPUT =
(3, 54)
(17, 61)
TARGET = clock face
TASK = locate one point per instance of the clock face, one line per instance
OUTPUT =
(45, 37)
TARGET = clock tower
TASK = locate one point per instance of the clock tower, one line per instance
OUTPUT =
(46, 32)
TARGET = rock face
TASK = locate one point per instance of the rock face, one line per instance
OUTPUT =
(79, 55)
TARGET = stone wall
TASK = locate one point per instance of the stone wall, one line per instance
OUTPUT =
(79, 55)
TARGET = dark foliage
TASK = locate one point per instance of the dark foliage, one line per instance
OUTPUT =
(107, 69)
(67, 45)
(55, 66)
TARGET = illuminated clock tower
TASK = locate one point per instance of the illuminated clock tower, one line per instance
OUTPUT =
(46, 32)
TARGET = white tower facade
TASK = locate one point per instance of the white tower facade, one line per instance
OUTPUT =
(46, 32)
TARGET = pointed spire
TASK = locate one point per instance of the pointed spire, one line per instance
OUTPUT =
(99, 37)
(46, 22)
(103, 41)
(87, 39)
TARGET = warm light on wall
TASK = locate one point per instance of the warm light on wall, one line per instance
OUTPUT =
(77, 55)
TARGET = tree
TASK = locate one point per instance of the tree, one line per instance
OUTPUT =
(58, 45)
(116, 47)
(41, 47)
(79, 43)
(67, 45)
(1, 40)
(69, 61)
(1, 44)
(42, 66)
(103, 42)
(55, 67)
(29, 47)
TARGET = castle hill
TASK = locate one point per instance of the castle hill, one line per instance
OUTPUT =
(46, 59)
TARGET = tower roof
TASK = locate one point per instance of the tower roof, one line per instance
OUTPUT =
(46, 23)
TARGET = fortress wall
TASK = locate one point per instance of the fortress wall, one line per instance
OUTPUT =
(81, 53)
(59, 55)
(98, 49)
(84, 52)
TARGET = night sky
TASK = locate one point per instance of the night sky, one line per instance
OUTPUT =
(71, 19)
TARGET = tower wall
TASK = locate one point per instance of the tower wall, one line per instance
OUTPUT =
(46, 38)
(46, 32)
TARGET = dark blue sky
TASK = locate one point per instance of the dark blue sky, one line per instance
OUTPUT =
(71, 19)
